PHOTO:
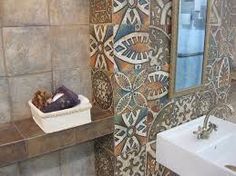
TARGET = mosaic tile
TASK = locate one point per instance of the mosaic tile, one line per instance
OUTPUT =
(102, 89)
(130, 131)
(101, 47)
(129, 90)
(131, 163)
(206, 101)
(134, 12)
(104, 162)
(160, 12)
(131, 47)
(161, 121)
(100, 11)
(185, 108)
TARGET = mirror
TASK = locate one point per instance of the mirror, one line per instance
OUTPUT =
(189, 40)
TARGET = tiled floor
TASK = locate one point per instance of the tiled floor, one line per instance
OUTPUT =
(233, 99)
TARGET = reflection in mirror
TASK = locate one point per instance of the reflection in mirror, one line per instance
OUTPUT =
(190, 44)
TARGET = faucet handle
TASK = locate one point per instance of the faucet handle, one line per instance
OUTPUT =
(199, 132)
(213, 126)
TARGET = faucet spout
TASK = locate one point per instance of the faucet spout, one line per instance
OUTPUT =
(208, 127)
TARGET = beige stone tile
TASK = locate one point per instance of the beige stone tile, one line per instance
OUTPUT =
(4, 101)
(27, 50)
(70, 46)
(47, 165)
(24, 12)
(69, 12)
(2, 69)
(78, 160)
(11, 170)
(22, 89)
(75, 79)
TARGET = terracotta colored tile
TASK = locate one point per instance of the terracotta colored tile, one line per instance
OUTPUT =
(100, 11)
(136, 13)
(24, 12)
(101, 47)
(12, 153)
(51, 142)
(95, 129)
(9, 134)
(69, 12)
(28, 128)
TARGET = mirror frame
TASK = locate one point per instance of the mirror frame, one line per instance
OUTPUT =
(174, 44)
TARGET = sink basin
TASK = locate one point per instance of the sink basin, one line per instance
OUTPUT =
(179, 149)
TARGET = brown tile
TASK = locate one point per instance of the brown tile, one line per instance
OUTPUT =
(98, 114)
(100, 11)
(50, 142)
(9, 134)
(28, 128)
(24, 12)
(94, 130)
(27, 50)
(12, 153)
(69, 12)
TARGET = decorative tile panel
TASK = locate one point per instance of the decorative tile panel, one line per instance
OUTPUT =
(135, 12)
(129, 90)
(101, 47)
(130, 131)
(102, 89)
(131, 163)
(100, 11)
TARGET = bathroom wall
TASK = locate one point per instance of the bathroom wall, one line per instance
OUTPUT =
(44, 44)
(134, 75)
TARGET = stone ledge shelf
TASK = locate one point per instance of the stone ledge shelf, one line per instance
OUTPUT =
(24, 139)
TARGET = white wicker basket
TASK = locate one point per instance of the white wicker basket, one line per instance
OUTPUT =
(64, 119)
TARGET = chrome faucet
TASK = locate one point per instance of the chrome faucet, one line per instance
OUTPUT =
(208, 127)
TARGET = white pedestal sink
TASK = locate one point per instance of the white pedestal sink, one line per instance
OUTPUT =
(179, 149)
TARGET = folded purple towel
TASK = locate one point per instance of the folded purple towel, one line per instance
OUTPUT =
(68, 100)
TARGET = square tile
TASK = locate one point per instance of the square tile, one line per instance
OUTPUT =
(2, 68)
(101, 47)
(5, 115)
(69, 12)
(100, 11)
(22, 89)
(131, 163)
(129, 90)
(70, 46)
(78, 160)
(27, 50)
(131, 47)
(77, 80)
(41, 166)
(24, 12)
(135, 13)
(130, 131)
